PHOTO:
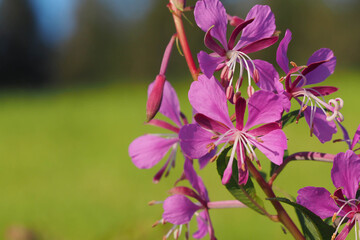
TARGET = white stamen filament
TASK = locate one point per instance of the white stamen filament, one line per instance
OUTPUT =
(341, 221)
(334, 105)
(350, 201)
(170, 231)
(235, 56)
(248, 146)
(172, 158)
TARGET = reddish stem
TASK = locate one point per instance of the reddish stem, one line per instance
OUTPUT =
(313, 156)
(183, 40)
(282, 214)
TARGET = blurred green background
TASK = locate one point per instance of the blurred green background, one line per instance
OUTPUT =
(74, 76)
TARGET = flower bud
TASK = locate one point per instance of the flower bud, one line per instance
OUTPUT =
(154, 101)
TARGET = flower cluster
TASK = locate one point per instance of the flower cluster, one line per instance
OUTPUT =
(239, 121)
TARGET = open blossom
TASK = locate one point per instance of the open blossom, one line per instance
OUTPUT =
(179, 209)
(257, 33)
(147, 150)
(344, 203)
(214, 126)
(320, 65)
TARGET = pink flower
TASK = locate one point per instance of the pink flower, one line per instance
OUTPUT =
(179, 209)
(257, 33)
(345, 175)
(319, 66)
(146, 151)
(215, 127)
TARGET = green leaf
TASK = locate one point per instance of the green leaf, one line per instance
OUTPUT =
(273, 166)
(314, 228)
(244, 193)
(290, 118)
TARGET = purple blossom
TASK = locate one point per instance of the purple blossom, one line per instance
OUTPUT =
(214, 126)
(147, 150)
(179, 209)
(345, 175)
(257, 33)
(320, 65)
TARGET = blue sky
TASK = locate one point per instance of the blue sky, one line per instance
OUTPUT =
(57, 20)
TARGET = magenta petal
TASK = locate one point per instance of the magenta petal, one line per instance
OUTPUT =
(179, 209)
(210, 124)
(227, 172)
(285, 101)
(194, 140)
(243, 174)
(273, 145)
(208, 63)
(203, 161)
(163, 124)
(170, 106)
(269, 77)
(212, 44)
(264, 107)
(323, 129)
(346, 173)
(202, 223)
(264, 129)
(281, 53)
(317, 200)
(263, 25)
(322, 90)
(240, 107)
(259, 45)
(208, 97)
(210, 13)
(325, 69)
(356, 138)
(147, 150)
(237, 31)
(195, 180)
(346, 135)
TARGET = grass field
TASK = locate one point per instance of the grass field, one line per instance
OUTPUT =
(66, 174)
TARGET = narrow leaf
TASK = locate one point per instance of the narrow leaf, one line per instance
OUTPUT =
(314, 228)
(244, 193)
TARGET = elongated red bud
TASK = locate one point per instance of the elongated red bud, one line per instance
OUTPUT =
(154, 101)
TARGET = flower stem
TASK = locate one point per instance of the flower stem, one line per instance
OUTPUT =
(226, 204)
(284, 218)
(313, 156)
(183, 40)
